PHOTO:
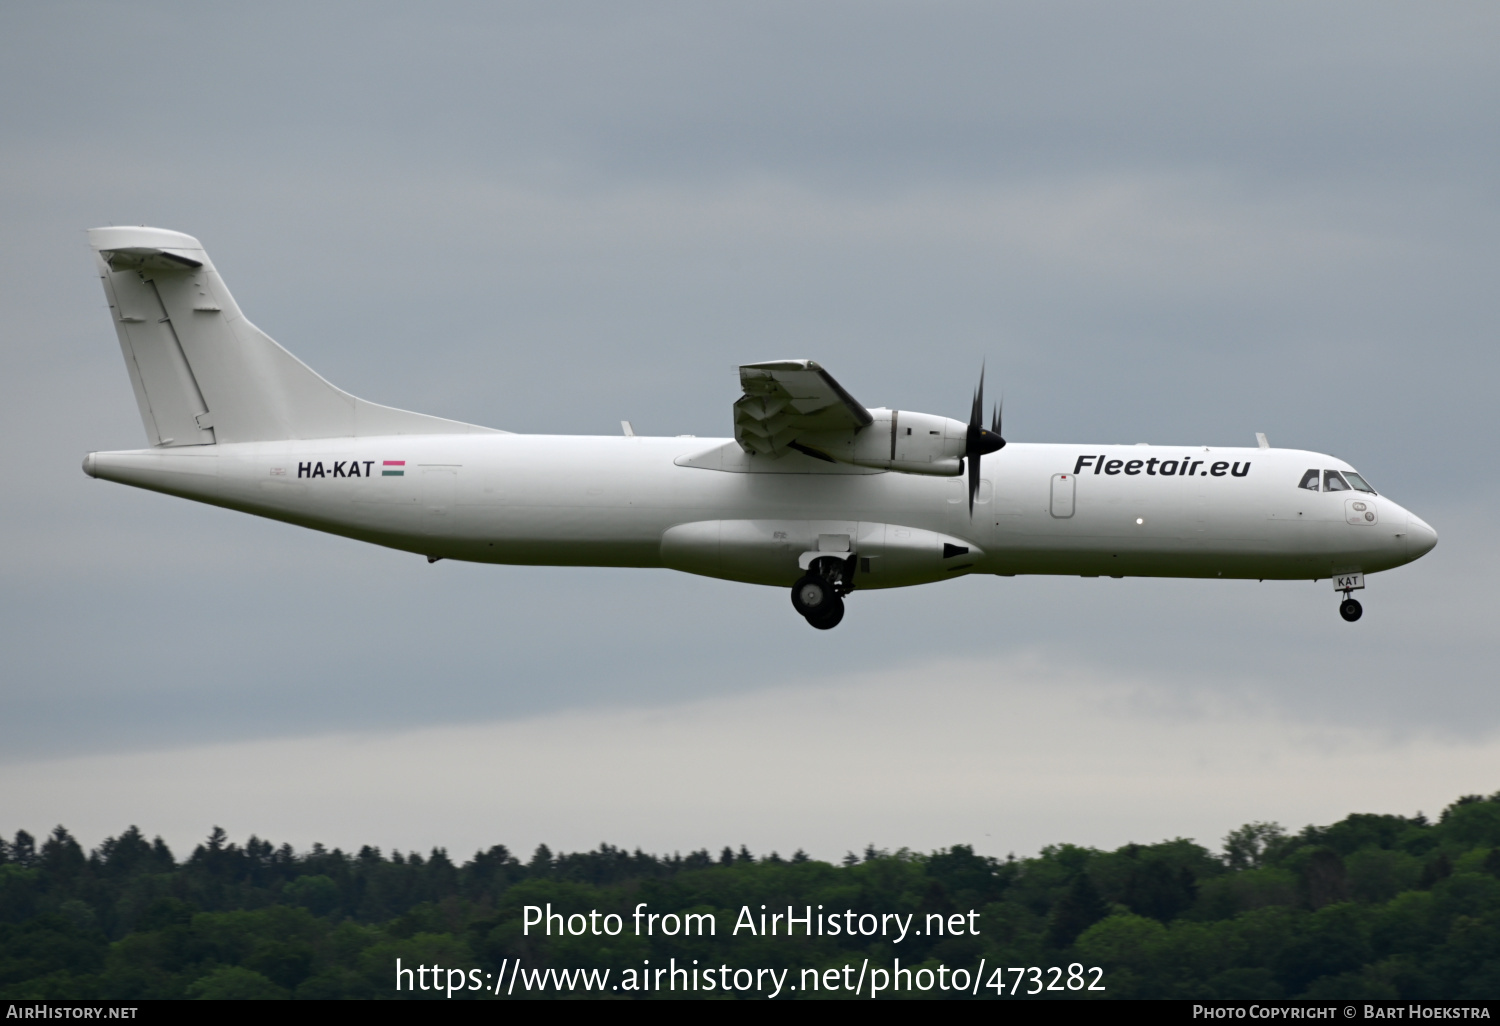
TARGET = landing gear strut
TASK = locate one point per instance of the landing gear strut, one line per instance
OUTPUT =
(819, 595)
(1348, 581)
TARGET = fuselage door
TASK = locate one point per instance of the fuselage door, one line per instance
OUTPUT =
(1062, 495)
(439, 488)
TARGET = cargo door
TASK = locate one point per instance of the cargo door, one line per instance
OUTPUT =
(439, 488)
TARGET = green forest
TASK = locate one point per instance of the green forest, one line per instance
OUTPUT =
(1374, 906)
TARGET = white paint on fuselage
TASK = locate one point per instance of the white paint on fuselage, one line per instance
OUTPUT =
(606, 501)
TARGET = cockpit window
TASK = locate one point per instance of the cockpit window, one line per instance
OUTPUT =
(1334, 481)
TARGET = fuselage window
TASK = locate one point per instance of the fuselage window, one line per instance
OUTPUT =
(1359, 484)
(1310, 481)
(1333, 481)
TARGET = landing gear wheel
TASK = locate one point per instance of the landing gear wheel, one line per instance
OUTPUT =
(830, 618)
(814, 596)
(1350, 609)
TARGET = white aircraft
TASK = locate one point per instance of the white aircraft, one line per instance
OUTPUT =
(814, 492)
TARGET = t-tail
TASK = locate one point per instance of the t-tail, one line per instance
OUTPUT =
(202, 373)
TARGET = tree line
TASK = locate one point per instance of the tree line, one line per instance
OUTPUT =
(1374, 906)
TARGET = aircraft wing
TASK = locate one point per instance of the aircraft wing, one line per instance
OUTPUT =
(786, 399)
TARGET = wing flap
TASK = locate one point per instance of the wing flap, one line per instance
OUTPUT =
(787, 399)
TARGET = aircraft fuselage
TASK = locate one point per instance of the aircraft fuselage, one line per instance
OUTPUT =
(1156, 511)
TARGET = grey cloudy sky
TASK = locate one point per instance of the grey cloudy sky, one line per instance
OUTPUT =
(1157, 222)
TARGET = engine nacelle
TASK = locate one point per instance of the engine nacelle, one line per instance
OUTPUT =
(900, 440)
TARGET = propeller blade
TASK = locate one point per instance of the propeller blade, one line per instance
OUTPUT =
(973, 481)
(979, 441)
(976, 415)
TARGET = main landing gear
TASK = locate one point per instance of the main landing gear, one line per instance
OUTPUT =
(819, 595)
(1350, 609)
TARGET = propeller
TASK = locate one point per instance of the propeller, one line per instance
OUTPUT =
(980, 441)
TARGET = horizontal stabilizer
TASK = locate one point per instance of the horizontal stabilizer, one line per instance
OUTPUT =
(146, 258)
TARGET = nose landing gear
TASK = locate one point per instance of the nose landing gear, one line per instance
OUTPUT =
(819, 595)
(1348, 581)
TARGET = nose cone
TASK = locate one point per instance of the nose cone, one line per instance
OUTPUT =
(1420, 537)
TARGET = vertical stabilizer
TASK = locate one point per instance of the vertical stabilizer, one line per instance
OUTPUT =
(203, 373)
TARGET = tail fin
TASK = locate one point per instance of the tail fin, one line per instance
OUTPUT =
(202, 372)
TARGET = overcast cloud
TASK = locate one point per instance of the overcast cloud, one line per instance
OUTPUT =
(1156, 222)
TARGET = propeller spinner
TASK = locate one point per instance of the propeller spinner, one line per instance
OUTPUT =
(980, 441)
